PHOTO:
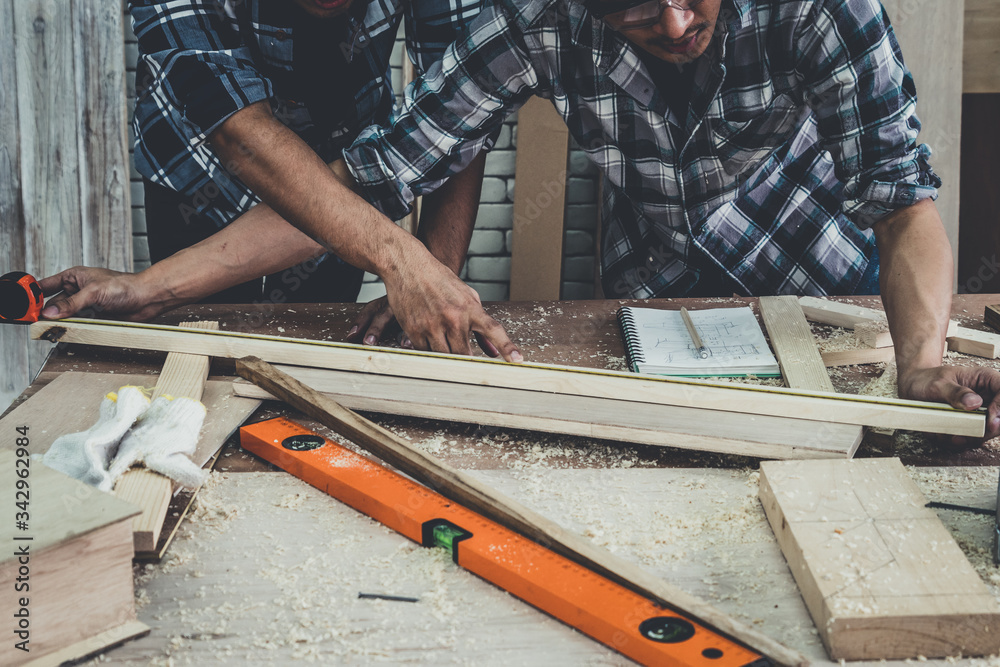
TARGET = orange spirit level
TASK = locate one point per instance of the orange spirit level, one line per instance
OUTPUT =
(611, 614)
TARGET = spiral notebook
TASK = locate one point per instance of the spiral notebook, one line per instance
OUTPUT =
(658, 343)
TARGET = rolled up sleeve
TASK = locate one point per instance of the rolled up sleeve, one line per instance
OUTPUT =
(194, 73)
(864, 100)
(448, 115)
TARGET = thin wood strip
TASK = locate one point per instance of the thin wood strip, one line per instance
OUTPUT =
(91, 645)
(684, 428)
(774, 401)
(465, 489)
(793, 344)
(183, 376)
(860, 356)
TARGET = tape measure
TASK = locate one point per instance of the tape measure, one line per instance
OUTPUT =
(613, 615)
(21, 298)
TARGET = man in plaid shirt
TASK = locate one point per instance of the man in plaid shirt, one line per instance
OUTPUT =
(763, 147)
(246, 101)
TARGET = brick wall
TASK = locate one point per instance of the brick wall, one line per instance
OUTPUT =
(488, 267)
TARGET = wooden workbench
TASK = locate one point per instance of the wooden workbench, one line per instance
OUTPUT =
(268, 569)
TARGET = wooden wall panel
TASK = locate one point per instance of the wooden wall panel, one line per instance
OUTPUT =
(981, 70)
(930, 34)
(64, 196)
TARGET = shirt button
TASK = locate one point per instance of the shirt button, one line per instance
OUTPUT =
(281, 35)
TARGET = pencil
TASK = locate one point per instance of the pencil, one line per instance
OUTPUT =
(699, 346)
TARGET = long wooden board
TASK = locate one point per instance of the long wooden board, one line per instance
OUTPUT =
(825, 407)
(881, 576)
(646, 423)
(465, 489)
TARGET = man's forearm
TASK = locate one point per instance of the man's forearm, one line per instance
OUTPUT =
(292, 179)
(256, 244)
(915, 279)
(448, 215)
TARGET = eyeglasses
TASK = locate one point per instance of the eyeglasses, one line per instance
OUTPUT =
(630, 14)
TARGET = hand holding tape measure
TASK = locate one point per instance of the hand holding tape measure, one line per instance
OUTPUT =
(21, 298)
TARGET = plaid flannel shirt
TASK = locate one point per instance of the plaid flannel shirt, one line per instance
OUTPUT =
(800, 134)
(198, 65)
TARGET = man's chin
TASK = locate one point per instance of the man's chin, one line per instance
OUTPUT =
(325, 9)
(680, 52)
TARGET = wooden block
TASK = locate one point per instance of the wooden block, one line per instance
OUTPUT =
(881, 576)
(79, 562)
(536, 256)
(646, 423)
(747, 399)
(992, 317)
(859, 356)
(793, 344)
(873, 334)
(183, 376)
(974, 342)
(838, 314)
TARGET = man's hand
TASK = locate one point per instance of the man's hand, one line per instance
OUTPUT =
(437, 311)
(376, 321)
(85, 288)
(962, 387)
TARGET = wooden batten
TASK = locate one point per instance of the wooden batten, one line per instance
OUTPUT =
(183, 375)
(771, 401)
(838, 314)
(880, 574)
(859, 356)
(793, 344)
(645, 423)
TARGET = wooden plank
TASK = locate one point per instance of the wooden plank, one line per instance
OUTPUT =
(793, 344)
(859, 356)
(981, 52)
(881, 576)
(646, 423)
(183, 376)
(931, 37)
(974, 342)
(466, 490)
(539, 202)
(106, 208)
(838, 314)
(773, 401)
(14, 341)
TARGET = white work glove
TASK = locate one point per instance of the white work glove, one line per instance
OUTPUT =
(163, 439)
(85, 455)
